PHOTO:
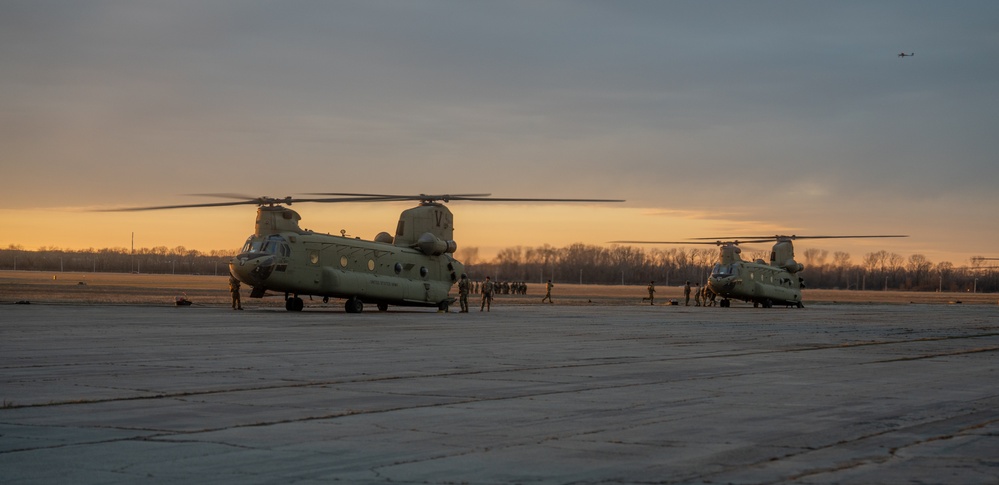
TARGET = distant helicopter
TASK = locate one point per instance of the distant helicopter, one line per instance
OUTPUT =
(413, 268)
(903, 54)
(761, 283)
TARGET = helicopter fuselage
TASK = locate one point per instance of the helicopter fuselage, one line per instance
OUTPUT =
(755, 282)
(342, 267)
(413, 268)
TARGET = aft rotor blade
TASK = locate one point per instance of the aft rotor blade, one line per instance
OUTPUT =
(793, 237)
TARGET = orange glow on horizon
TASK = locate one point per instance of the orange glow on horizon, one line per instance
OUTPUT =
(488, 228)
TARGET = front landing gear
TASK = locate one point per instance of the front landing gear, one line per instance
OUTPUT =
(294, 304)
(353, 305)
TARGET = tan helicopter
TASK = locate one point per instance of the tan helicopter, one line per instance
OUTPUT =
(413, 268)
(764, 284)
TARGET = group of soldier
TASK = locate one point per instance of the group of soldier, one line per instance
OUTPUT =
(501, 288)
(703, 296)
(486, 289)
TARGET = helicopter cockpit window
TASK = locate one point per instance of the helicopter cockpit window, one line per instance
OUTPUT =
(722, 270)
(276, 245)
(252, 245)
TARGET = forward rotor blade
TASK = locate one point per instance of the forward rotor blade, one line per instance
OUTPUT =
(258, 201)
(179, 206)
(716, 243)
(517, 199)
(467, 197)
(400, 197)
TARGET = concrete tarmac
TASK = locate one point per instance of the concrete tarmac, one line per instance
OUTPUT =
(523, 394)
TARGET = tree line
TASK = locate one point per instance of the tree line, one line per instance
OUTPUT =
(673, 266)
(157, 260)
(576, 263)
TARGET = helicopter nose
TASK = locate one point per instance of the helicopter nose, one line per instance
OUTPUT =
(722, 283)
(252, 268)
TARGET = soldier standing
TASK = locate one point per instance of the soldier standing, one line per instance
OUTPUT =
(463, 286)
(548, 295)
(652, 292)
(487, 294)
(234, 290)
(697, 294)
(686, 294)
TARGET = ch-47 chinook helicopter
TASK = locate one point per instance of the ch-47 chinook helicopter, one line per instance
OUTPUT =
(761, 283)
(415, 267)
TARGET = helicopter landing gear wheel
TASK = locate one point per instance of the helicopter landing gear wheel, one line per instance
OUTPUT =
(354, 305)
(800, 305)
(294, 304)
(443, 306)
(768, 303)
(383, 307)
(725, 303)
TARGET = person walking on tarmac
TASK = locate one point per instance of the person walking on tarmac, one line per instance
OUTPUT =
(463, 286)
(686, 294)
(234, 290)
(697, 294)
(652, 292)
(487, 294)
(548, 295)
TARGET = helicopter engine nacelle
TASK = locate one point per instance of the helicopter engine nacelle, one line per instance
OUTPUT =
(792, 266)
(432, 245)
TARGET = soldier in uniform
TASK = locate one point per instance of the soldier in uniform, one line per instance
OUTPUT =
(652, 292)
(697, 294)
(463, 286)
(686, 294)
(709, 296)
(234, 290)
(487, 294)
(548, 295)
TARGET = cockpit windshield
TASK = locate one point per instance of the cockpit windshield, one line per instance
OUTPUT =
(274, 244)
(722, 270)
(252, 245)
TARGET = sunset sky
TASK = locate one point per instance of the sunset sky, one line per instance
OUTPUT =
(711, 118)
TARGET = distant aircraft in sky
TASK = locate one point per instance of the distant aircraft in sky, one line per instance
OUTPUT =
(903, 54)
